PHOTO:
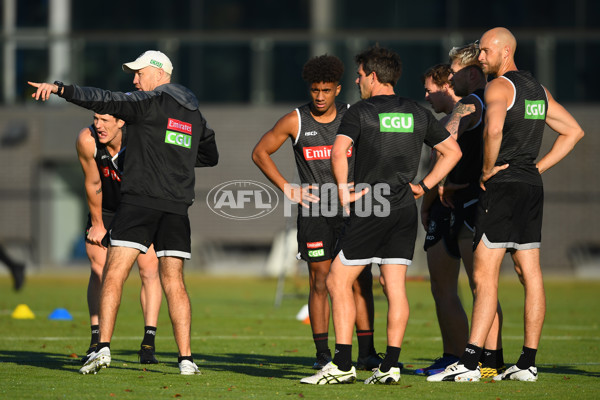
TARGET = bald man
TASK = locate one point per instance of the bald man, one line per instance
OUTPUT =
(510, 208)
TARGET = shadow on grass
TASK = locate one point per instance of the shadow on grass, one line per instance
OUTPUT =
(64, 362)
(40, 359)
(259, 365)
(566, 370)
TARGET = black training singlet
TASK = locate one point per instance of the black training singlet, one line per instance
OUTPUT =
(313, 144)
(468, 169)
(388, 132)
(110, 169)
(523, 130)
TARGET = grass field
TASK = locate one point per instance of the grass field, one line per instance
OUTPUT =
(247, 348)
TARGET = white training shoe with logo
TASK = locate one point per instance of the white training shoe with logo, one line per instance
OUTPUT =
(392, 377)
(456, 373)
(186, 367)
(96, 361)
(329, 375)
(515, 373)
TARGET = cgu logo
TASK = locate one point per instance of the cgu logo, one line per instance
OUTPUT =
(535, 109)
(396, 122)
(242, 200)
(178, 139)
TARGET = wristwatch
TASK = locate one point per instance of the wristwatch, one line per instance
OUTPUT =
(61, 87)
(424, 186)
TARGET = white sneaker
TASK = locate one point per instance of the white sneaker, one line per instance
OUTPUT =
(514, 373)
(186, 367)
(330, 374)
(456, 373)
(392, 377)
(96, 361)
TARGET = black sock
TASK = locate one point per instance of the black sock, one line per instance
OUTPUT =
(95, 335)
(365, 343)
(102, 345)
(392, 355)
(149, 335)
(343, 356)
(471, 356)
(322, 342)
(527, 358)
(492, 358)
(189, 358)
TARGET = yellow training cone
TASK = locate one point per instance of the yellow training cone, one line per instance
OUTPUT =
(22, 312)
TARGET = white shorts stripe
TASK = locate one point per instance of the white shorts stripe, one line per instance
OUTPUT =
(509, 245)
(132, 245)
(375, 260)
(173, 253)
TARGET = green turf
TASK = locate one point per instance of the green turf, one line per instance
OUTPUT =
(247, 348)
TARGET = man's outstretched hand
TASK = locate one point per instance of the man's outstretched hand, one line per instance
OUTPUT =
(44, 90)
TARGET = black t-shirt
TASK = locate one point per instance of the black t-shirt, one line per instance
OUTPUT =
(388, 133)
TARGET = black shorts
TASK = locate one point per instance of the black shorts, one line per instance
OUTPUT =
(389, 240)
(509, 216)
(451, 225)
(318, 237)
(139, 227)
(107, 218)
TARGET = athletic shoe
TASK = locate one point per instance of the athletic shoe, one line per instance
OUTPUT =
(439, 365)
(97, 361)
(329, 375)
(489, 372)
(187, 367)
(456, 373)
(146, 355)
(515, 373)
(392, 377)
(89, 351)
(322, 360)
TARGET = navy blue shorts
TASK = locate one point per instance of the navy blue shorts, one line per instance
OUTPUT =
(449, 224)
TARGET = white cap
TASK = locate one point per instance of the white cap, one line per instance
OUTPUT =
(151, 58)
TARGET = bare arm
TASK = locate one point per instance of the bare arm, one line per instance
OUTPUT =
(86, 146)
(569, 133)
(464, 116)
(448, 156)
(497, 97)
(286, 127)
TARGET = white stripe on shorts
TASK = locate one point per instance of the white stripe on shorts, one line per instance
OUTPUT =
(376, 260)
(509, 245)
(173, 253)
(125, 243)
